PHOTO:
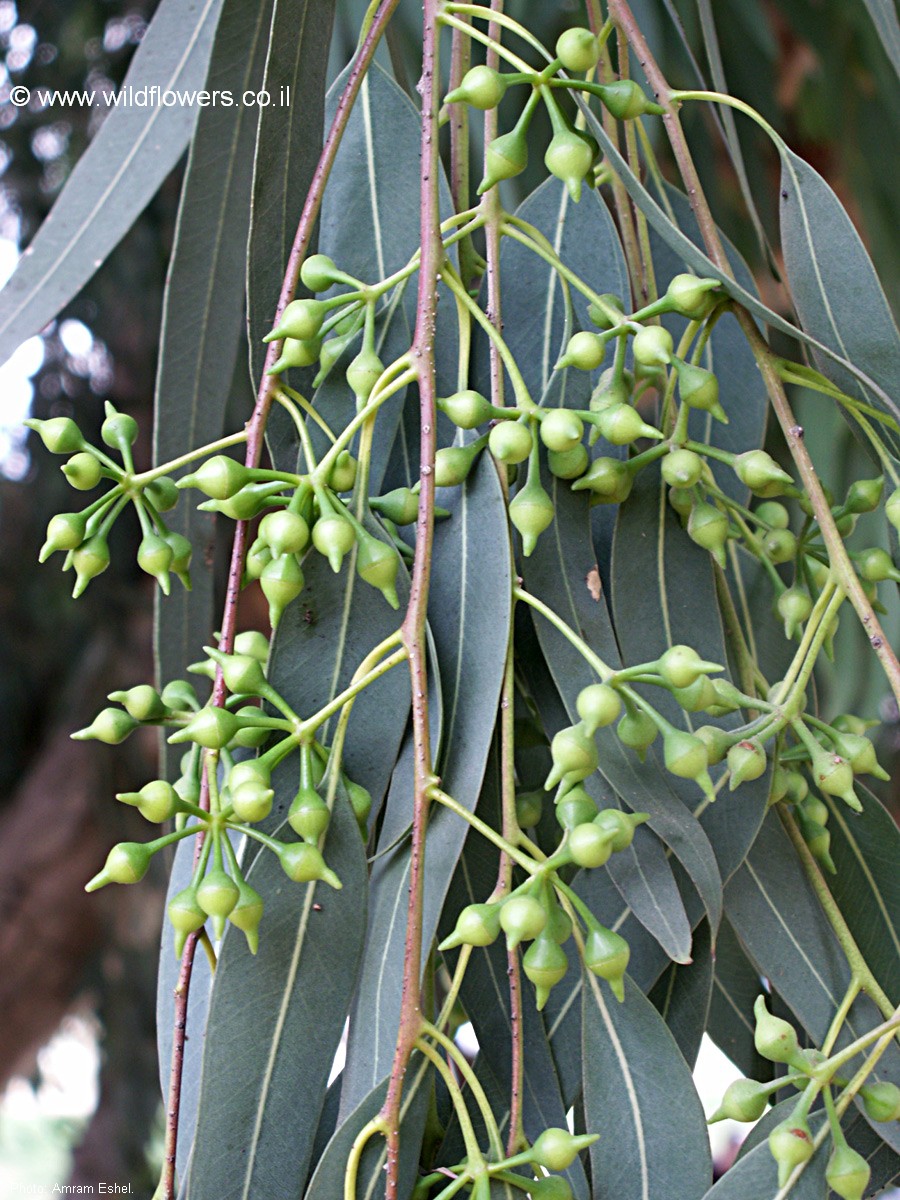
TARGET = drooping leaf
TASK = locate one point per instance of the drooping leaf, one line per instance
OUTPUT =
(650, 1145)
(201, 327)
(288, 142)
(682, 996)
(835, 289)
(884, 18)
(562, 572)
(275, 1022)
(664, 595)
(469, 622)
(736, 984)
(118, 174)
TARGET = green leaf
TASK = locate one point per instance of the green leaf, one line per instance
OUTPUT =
(653, 1142)
(563, 573)
(698, 261)
(201, 330)
(682, 996)
(275, 1022)
(585, 238)
(664, 595)
(469, 621)
(835, 289)
(866, 849)
(118, 174)
(288, 142)
(736, 984)
(884, 18)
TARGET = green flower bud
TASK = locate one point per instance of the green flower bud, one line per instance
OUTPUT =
(574, 755)
(296, 353)
(585, 351)
(609, 479)
(625, 100)
(333, 537)
(557, 1149)
(621, 424)
(637, 731)
(83, 471)
(400, 506)
(794, 607)
(577, 49)
(318, 273)
(258, 557)
(343, 473)
(243, 674)
(60, 434)
(568, 464)
(717, 742)
(892, 508)
(551, 1187)
(452, 464)
(90, 559)
(575, 808)
(360, 802)
(126, 862)
(252, 801)
(815, 809)
(692, 297)
(791, 1144)
(606, 954)
(286, 532)
(619, 826)
(481, 86)
(685, 756)
(834, 776)
(119, 430)
(155, 557)
(254, 643)
(860, 753)
(746, 761)
(699, 696)
(247, 914)
(708, 527)
(529, 809)
(847, 1173)
(699, 389)
(682, 501)
(510, 441)
(110, 725)
(797, 787)
(531, 511)
(780, 545)
(875, 565)
(569, 157)
(162, 493)
(143, 702)
(881, 1101)
(611, 390)
(157, 801)
(64, 532)
(774, 1039)
(363, 373)
(301, 319)
(466, 409)
(545, 963)
(476, 925)
(774, 514)
(561, 430)
(505, 157)
(309, 815)
(598, 704)
(182, 552)
(744, 1100)
(865, 495)
(601, 316)
(522, 918)
(378, 563)
(179, 695)
(219, 477)
(758, 471)
(212, 728)
(303, 863)
(186, 916)
(217, 895)
(681, 666)
(682, 468)
(589, 845)
(653, 346)
(817, 838)
(281, 581)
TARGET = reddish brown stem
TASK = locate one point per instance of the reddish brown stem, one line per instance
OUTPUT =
(255, 431)
(413, 628)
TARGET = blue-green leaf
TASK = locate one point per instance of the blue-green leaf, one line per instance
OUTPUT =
(288, 142)
(650, 1144)
(835, 289)
(116, 177)
(682, 996)
(884, 18)
(736, 984)
(470, 624)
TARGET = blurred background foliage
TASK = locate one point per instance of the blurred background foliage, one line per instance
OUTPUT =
(815, 69)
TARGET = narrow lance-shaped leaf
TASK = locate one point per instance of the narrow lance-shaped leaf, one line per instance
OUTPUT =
(118, 174)
(682, 996)
(884, 18)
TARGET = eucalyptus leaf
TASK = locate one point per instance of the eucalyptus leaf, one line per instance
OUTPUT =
(884, 18)
(118, 174)
(736, 984)
(682, 996)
